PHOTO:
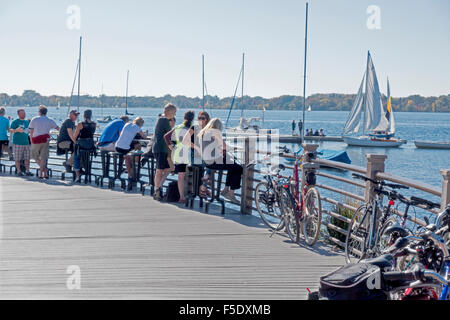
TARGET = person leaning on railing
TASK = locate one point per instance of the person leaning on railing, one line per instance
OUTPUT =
(191, 139)
(216, 157)
(160, 149)
(40, 127)
(84, 137)
(125, 142)
(180, 152)
(21, 143)
(110, 135)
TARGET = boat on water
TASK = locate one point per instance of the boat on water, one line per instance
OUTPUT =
(325, 154)
(432, 145)
(106, 119)
(378, 125)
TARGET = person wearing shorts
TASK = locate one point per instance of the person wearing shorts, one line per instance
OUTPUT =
(160, 148)
(21, 143)
(40, 137)
(125, 142)
(4, 128)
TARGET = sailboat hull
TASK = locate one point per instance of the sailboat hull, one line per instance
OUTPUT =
(375, 143)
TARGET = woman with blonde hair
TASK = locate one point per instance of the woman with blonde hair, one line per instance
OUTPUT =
(215, 156)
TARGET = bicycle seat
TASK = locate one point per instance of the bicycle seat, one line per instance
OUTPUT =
(381, 261)
(402, 232)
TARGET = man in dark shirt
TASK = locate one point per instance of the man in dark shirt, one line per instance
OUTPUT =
(160, 149)
(65, 138)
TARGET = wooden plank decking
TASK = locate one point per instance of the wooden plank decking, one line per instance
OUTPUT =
(129, 246)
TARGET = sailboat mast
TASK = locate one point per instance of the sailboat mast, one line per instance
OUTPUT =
(243, 73)
(79, 74)
(101, 100)
(203, 82)
(304, 73)
(126, 96)
(365, 94)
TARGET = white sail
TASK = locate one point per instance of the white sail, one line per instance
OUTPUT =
(354, 121)
(392, 122)
(375, 118)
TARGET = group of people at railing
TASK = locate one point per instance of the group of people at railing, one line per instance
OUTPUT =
(173, 147)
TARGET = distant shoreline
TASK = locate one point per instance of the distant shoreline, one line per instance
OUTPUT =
(318, 102)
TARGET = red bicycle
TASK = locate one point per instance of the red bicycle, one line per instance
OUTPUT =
(302, 210)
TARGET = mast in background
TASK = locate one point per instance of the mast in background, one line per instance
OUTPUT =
(243, 73)
(203, 82)
(79, 75)
(304, 73)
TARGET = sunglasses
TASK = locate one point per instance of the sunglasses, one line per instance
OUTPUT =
(173, 119)
(202, 118)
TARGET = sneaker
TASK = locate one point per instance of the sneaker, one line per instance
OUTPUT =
(29, 174)
(21, 174)
(231, 197)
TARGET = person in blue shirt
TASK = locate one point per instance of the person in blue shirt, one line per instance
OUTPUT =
(111, 134)
(4, 128)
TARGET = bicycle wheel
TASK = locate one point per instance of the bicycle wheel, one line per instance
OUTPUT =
(384, 239)
(312, 216)
(357, 236)
(268, 207)
(289, 213)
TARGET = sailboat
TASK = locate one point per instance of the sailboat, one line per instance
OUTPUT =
(245, 124)
(378, 126)
(104, 119)
(126, 98)
(309, 109)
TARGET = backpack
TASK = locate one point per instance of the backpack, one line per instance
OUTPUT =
(172, 194)
(360, 281)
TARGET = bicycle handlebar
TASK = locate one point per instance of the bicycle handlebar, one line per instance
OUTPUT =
(417, 274)
(382, 183)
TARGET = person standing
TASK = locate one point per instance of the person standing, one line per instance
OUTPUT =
(293, 127)
(160, 149)
(66, 138)
(40, 127)
(180, 152)
(21, 143)
(300, 127)
(4, 128)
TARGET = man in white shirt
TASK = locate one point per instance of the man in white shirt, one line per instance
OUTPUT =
(40, 138)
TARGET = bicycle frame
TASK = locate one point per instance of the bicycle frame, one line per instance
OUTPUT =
(445, 289)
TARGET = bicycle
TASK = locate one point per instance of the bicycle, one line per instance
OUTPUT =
(267, 197)
(303, 210)
(363, 236)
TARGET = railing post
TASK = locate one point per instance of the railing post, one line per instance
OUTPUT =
(375, 164)
(445, 188)
(307, 149)
(247, 176)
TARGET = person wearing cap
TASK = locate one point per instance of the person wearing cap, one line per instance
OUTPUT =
(84, 138)
(40, 127)
(65, 141)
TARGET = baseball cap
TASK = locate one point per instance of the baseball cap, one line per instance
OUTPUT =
(74, 112)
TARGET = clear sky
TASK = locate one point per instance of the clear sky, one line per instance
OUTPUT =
(161, 42)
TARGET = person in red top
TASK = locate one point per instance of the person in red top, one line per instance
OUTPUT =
(40, 137)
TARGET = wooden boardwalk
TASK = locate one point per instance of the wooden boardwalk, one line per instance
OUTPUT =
(129, 246)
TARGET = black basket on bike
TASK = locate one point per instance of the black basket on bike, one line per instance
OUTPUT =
(311, 178)
(360, 281)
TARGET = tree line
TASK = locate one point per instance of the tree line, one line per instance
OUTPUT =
(318, 102)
